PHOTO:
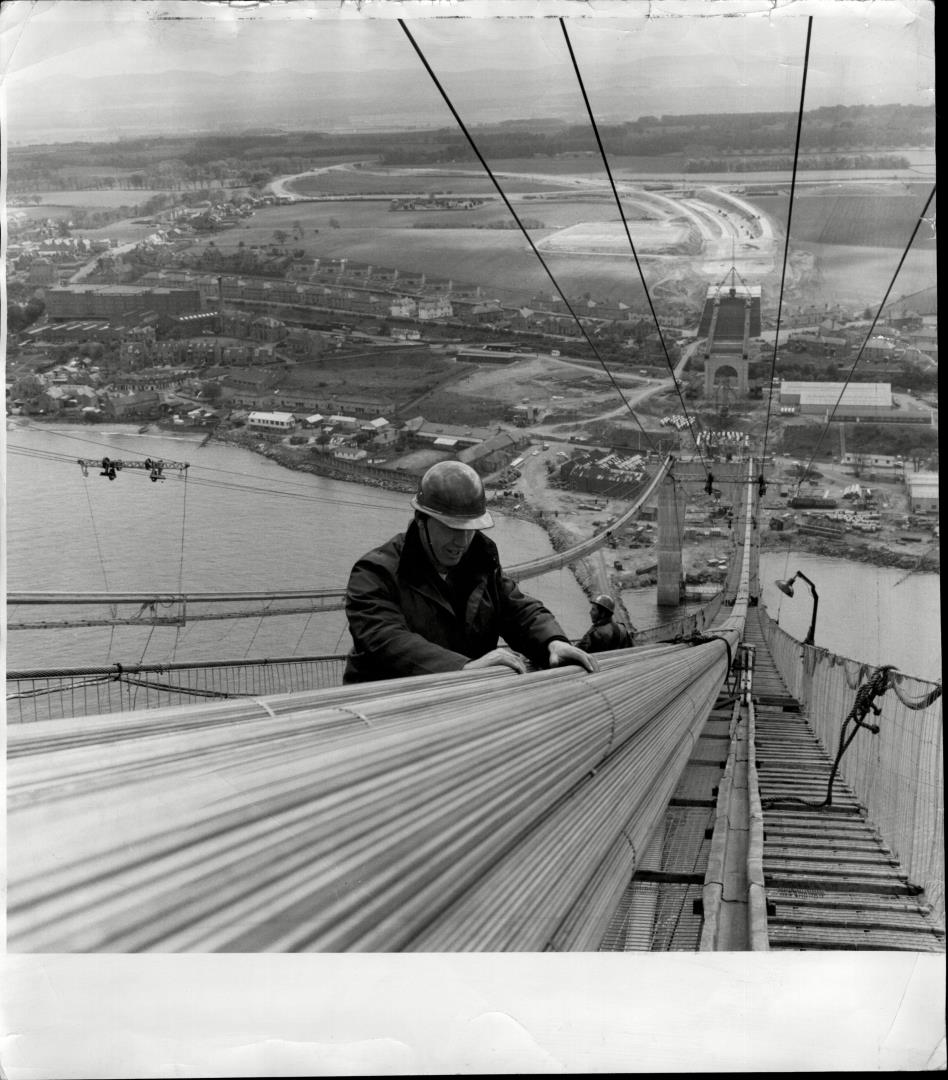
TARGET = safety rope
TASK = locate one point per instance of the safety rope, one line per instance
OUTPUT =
(172, 688)
(863, 704)
(184, 519)
(921, 703)
(105, 577)
(701, 638)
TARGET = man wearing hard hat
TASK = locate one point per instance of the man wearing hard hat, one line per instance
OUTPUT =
(435, 597)
(605, 633)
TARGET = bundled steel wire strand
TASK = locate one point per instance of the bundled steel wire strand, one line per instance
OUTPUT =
(320, 830)
(468, 811)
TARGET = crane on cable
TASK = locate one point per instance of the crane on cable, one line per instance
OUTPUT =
(111, 467)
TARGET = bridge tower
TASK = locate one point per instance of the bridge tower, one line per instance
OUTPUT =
(730, 320)
(686, 478)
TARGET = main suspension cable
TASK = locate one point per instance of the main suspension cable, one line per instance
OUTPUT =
(786, 245)
(625, 223)
(520, 225)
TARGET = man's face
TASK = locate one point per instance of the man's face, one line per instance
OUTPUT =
(448, 545)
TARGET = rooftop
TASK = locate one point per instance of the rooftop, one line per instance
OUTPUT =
(854, 395)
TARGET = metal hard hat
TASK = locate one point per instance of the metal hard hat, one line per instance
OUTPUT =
(606, 602)
(452, 493)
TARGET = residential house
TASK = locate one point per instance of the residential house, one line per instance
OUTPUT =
(272, 421)
(923, 492)
(383, 433)
(66, 398)
(144, 405)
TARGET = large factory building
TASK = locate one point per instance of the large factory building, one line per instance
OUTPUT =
(115, 301)
(859, 401)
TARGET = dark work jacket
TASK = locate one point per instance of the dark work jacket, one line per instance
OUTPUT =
(601, 637)
(405, 620)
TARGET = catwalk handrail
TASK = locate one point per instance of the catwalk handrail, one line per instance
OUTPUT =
(473, 811)
(897, 772)
(40, 695)
(321, 599)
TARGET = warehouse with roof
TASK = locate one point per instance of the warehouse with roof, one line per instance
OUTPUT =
(923, 492)
(855, 401)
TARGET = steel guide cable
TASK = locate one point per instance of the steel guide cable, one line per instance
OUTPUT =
(868, 337)
(621, 209)
(523, 229)
(786, 246)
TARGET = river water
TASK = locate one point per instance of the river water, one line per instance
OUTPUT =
(240, 522)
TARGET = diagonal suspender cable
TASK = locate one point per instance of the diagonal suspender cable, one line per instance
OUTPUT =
(638, 265)
(908, 247)
(513, 213)
(786, 246)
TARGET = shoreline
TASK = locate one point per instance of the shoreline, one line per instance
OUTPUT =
(923, 561)
(926, 561)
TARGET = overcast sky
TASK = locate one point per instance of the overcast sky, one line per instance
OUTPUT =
(875, 52)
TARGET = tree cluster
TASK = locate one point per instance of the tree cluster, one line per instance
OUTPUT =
(22, 316)
(918, 443)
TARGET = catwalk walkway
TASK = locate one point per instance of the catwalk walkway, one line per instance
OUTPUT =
(829, 880)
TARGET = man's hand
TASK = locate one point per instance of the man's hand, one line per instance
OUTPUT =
(562, 652)
(498, 658)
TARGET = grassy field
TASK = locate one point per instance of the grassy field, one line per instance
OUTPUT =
(860, 275)
(871, 220)
(96, 200)
(591, 164)
(410, 182)
(865, 230)
(497, 258)
(609, 238)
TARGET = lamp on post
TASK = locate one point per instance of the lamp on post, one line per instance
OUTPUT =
(787, 587)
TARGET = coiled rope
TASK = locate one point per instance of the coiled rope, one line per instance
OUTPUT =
(863, 704)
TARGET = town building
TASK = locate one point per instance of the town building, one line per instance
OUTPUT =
(343, 423)
(872, 461)
(492, 454)
(923, 492)
(446, 436)
(837, 401)
(271, 421)
(435, 307)
(146, 405)
(67, 397)
(114, 301)
(382, 431)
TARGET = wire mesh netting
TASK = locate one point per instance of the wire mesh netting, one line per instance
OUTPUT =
(896, 772)
(51, 695)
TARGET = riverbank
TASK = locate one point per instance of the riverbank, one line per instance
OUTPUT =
(925, 559)
(303, 460)
(563, 533)
(567, 525)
